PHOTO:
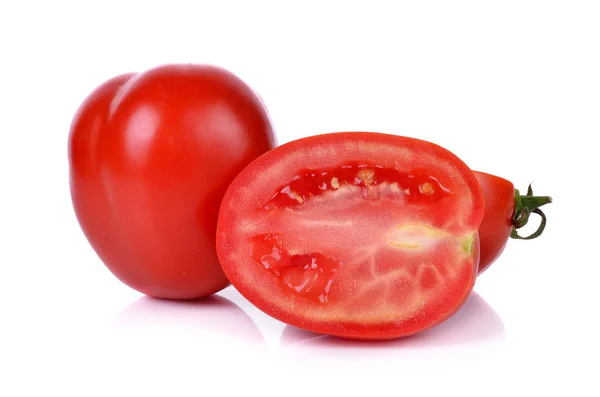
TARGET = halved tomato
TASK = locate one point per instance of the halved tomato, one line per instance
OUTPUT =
(353, 234)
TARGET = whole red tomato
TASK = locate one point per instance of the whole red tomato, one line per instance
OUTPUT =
(506, 210)
(150, 158)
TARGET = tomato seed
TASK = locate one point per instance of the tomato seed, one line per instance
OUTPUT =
(334, 183)
(427, 188)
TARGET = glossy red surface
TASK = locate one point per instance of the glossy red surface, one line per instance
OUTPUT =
(150, 157)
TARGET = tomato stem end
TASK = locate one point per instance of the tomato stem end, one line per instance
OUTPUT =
(525, 205)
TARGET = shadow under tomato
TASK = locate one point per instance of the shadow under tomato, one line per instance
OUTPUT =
(476, 321)
(211, 316)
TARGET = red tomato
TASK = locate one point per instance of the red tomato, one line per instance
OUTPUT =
(497, 221)
(150, 158)
(506, 210)
(359, 235)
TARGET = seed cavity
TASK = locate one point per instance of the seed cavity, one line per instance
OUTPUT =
(309, 275)
(373, 181)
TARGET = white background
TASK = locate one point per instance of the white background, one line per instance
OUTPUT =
(511, 87)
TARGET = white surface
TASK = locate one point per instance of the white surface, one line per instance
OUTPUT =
(511, 87)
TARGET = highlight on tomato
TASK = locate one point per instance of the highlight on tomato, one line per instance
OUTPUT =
(352, 234)
(150, 157)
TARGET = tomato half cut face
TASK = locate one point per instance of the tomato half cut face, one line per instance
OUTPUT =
(358, 235)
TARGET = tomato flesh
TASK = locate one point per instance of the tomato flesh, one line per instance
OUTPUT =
(376, 242)
(311, 274)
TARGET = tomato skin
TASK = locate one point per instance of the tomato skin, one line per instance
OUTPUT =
(150, 157)
(496, 225)
(352, 305)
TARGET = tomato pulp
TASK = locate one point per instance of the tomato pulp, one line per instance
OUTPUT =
(150, 157)
(358, 235)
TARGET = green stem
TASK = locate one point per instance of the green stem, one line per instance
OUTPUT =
(524, 206)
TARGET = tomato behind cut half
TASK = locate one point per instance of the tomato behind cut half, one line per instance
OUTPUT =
(496, 225)
(150, 156)
(353, 234)
(506, 211)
